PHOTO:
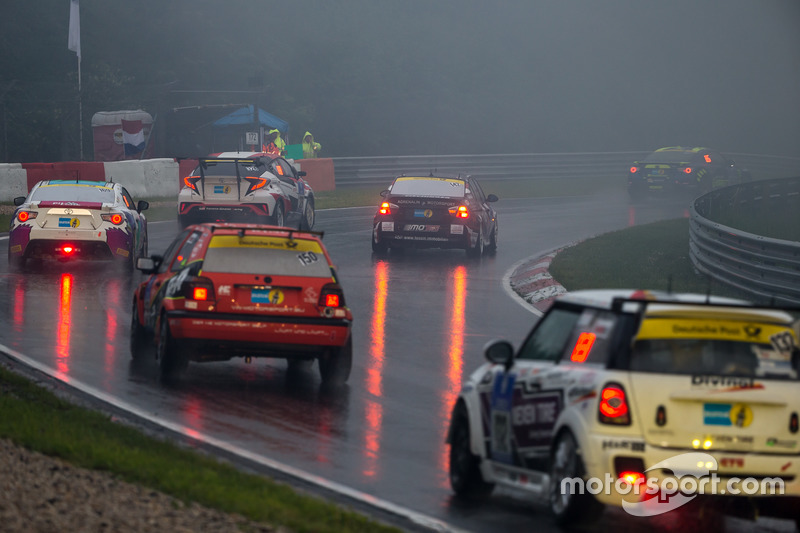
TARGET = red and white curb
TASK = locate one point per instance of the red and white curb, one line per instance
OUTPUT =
(530, 284)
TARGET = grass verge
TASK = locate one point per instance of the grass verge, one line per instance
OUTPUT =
(38, 420)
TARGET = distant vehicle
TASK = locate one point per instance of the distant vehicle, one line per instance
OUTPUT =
(73, 219)
(250, 187)
(243, 290)
(676, 169)
(633, 388)
(436, 212)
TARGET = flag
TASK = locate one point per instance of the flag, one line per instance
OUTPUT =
(74, 41)
(132, 137)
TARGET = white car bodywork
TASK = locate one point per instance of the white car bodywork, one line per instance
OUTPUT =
(570, 371)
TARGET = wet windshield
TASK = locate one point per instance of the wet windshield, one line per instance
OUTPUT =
(74, 192)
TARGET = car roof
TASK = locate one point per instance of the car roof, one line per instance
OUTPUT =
(239, 155)
(90, 183)
(460, 177)
(668, 304)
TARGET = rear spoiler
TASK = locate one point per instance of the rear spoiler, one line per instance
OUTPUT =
(619, 302)
(290, 231)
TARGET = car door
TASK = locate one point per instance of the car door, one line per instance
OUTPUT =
(153, 295)
(287, 180)
(138, 222)
(523, 403)
(487, 212)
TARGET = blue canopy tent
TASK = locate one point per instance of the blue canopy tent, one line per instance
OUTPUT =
(245, 116)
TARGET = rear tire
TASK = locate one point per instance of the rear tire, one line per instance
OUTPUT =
(477, 250)
(465, 474)
(309, 216)
(277, 217)
(379, 248)
(170, 362)
(491, 249)
(336, 363)
(15, 263)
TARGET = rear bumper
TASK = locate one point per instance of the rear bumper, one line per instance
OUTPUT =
(212, 212)
(221, 336)
(96, 244)
(395, 234)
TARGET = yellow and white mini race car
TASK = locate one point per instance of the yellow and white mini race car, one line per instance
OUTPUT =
(638, 399)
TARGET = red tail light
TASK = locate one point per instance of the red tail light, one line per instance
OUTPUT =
(331, 296)
(114, 218)
(634, 478)
(613, 407)
(255, 184)
(385, 209)
(67, 249)
(459, 212)
(198, 289)
(687, 170)
(23, 216)
(191, 182)
(634, 170)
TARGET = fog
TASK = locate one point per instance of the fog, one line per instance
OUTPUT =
(395, 77)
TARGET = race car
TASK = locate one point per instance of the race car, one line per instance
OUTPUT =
(246, 187)
(435, 212)
(242, 290)
(68, 220)
(677, 169)
(622, 397)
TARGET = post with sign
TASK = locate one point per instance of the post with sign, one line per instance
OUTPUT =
(251, 138)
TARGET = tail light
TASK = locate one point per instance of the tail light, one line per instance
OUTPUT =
(191, 182)
(114, 218)
(255, 184)
(67, 249)
(459, 212)
(630, 469)
(687, 170)
(385, 209)
(331, 296)
(23, 216)
(613, 406)
(198, 289)
(634, 170)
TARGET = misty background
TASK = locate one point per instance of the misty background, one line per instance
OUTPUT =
(415, 77)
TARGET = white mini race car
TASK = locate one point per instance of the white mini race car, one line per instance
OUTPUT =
(638, 399)
(246, 187)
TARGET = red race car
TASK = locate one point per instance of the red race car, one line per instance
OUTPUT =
(243, 290)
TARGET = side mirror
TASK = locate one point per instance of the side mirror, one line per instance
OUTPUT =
(500, 352)
(19, 200)
(492, 198)
(146, 265)
(385, 193)
(143, 205)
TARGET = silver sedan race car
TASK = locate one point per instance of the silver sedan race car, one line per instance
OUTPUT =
(246, 187)
(87, 220)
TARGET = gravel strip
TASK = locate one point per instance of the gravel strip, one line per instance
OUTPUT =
(45, 494)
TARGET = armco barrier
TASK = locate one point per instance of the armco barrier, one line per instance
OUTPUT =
(764, 267)
(68, 170)
(152, 178)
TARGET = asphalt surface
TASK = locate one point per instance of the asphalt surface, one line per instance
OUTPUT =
(421, 319)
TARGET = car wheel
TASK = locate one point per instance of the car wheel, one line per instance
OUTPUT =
(465, 474)
(309, 216)
(15, 263)
(277, 217)
(492, 247)
(169, 360)
(379, 248)
(138, 341)
(336, 363)
(477, 250)
(565, 463)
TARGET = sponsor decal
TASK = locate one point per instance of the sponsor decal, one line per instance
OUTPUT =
(781, 443)
(123, 252)
(501, 401)
(224, 290)
(731, 462)
(735, 383)
(266, 296)
(16, 248)
(725, 414)
(387, 226)
(222, 189)
(67, 222)
(310, 295)
(423, 213)
(632, 445)
(456, 229)
(421, 227)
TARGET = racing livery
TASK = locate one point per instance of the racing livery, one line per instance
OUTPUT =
(243, 290)
(246, 187)
(436, 212)
(676, 169)
(75, 219)
(635, 386)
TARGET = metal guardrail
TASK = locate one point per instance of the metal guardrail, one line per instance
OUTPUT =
(764, 267)
(358, 171)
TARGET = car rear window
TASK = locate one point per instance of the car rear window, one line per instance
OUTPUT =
(672, 157)
(439, 187)
(716, 347)
(74, 192)
(228, 168)
(271, 256)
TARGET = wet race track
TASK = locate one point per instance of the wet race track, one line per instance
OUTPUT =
(420, 322)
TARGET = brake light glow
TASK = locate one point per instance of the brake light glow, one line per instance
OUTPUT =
(385, 209)
(67, 249)
(633, 478)
(687, 170)
(582, 347)
(23, 216)
(459, 212)
(114, 218)
(200, 293)
(331, 295)
(613, 407)
(191, 182)
(634, 170)
(331, 300)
